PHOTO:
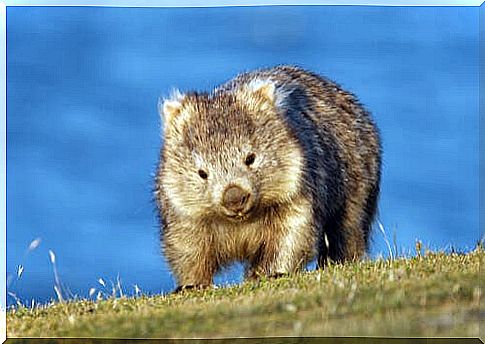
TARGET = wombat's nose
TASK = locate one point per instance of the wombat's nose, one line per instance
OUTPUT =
(235, 198)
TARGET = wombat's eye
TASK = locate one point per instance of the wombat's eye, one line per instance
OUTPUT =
(250, 159)
(202, 174)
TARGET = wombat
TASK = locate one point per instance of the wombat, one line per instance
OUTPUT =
(274, 168)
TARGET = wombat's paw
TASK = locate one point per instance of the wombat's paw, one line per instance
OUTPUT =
(182, 288)
(278, 275)
(258, 275)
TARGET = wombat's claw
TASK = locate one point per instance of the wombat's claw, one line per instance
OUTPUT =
(182, 288)
(279, 275)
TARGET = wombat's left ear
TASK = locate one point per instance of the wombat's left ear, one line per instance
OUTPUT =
(171, 107)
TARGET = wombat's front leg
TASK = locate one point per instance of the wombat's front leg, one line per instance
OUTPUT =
(192, 261)
(292, 245)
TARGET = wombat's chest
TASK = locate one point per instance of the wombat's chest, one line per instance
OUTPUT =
(239, 242)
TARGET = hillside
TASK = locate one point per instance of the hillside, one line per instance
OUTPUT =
(436, 294)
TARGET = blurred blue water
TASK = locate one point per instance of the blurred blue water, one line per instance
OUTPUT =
(83, 129)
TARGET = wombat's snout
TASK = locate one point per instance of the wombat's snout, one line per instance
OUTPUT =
(236, 200)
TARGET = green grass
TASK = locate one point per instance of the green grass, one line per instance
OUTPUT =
(436, 294)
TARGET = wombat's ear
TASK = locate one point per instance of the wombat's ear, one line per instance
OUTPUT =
(170, 108)
(259, 93)
(263, 88)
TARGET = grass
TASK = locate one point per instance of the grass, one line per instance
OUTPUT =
(435, 294)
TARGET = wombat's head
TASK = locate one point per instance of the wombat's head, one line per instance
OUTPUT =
(228, 154)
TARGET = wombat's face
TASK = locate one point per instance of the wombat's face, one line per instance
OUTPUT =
(228, 154)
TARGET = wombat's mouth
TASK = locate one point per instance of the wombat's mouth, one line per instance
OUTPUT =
(239, 216)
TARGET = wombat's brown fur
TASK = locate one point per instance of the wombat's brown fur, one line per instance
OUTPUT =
(273, 168)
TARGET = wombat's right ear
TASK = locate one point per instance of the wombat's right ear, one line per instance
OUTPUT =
(171, 107)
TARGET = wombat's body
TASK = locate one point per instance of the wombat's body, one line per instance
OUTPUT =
(273, 168)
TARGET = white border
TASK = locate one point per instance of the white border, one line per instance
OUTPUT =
(133, 3)
(229, 3)
(3, 172)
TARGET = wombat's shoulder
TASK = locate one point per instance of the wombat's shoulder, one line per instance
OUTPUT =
(282, 75)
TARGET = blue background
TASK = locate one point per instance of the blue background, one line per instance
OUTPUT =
(83, 129)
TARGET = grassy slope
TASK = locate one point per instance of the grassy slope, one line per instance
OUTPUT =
(434, 295)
